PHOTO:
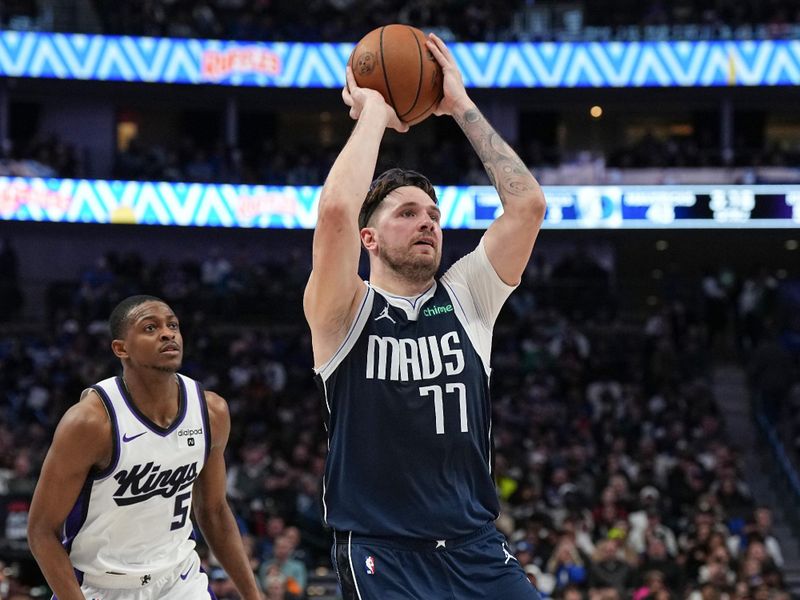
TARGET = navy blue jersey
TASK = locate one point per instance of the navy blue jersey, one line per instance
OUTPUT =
(409, 414)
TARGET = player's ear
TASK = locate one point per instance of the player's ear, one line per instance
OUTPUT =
(368, 238)
(118, 348)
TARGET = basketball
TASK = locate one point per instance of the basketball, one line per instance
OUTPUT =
(395, 61)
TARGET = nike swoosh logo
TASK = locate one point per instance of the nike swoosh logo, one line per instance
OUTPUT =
(185, 575)
(125, 437)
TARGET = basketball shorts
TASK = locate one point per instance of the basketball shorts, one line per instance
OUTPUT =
(478, 566)
(185, 582)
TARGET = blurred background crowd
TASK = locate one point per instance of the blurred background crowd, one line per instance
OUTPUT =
(481, 20)
(193, 160)
(624, 445)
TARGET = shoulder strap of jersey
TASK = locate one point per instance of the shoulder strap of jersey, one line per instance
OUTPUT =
(352, 335)
(103, 388)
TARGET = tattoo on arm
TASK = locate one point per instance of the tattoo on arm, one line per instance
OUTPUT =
(505, 169)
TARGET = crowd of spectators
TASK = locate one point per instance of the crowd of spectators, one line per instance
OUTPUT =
(317, 21)
(651, 150)
(192, 161)
(453, 161)
(614, 471)
(40, 156)
(719, 15)
(479, 20)
(21, 14)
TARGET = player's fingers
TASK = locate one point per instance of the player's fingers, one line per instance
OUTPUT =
(437, 53)
(441, 46)
(348, 99)
(350, 78)
(447, 64)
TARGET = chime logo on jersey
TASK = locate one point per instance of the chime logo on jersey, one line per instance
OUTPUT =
(369, 563)
(432, 311)
(147, 481)
(414, 359)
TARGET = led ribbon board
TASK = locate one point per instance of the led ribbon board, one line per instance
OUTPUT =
(475, 207)
(302, 65)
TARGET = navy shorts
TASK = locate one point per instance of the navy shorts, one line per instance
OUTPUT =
(478, 566)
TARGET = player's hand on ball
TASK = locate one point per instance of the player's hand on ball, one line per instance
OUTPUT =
(358, 97)
(455, 94)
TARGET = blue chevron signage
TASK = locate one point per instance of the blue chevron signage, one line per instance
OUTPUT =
(501, 65)
(468, 207)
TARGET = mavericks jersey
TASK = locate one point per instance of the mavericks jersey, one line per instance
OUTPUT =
(409, 414)
(132, 518)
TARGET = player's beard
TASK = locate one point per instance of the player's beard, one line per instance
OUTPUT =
(419, 268)
(167, 369)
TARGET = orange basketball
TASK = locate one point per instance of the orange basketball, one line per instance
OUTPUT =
(395, 61)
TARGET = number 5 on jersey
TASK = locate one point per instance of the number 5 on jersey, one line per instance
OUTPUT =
(438, 403)
(181, 511)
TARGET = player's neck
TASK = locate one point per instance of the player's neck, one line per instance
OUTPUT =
(156, 394)
(394, 283)
(390, 280)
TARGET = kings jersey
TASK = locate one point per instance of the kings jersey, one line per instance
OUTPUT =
(132, 518)
(408, 409)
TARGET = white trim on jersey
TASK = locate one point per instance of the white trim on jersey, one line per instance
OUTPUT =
(328, 440)
(489, 438)
(351, 338)
(410, 305)
(352, 567)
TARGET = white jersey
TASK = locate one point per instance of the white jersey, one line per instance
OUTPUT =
(132, 518)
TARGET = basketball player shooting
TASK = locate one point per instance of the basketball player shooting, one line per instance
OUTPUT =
(403, 362)
(110, 517)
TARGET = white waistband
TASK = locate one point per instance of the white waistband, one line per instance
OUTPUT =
(114, 581)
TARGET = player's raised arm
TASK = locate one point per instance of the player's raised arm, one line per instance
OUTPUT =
(82, 440)
(509, 240)
(334, 288)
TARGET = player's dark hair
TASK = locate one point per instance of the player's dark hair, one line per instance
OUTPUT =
(387, 182)
(118, 321)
